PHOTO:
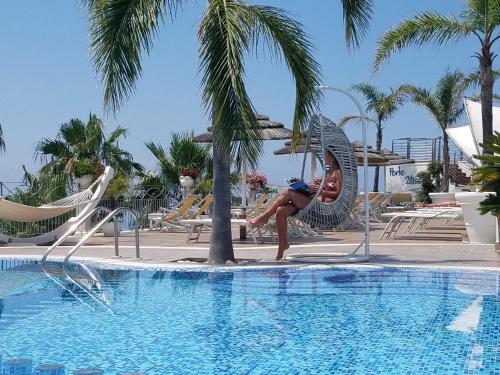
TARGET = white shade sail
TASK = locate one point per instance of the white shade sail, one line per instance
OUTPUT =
(468, 137)
(473, 110)
(463, 138)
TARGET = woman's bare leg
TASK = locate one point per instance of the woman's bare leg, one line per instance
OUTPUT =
(282, 215)
(287, 197)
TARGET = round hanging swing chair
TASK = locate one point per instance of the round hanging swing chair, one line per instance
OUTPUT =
(322, 136)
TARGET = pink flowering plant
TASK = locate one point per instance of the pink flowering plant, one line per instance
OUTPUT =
(256, 180)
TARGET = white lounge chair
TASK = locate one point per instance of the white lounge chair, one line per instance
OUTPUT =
(417, 220)
(196, 226)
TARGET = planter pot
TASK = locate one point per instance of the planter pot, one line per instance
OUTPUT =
(84, 181)
(108, 229)
(438, 198)
(480, 228)
(186, 182)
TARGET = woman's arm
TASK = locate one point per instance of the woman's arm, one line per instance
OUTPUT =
(330, 194)
(335, 191)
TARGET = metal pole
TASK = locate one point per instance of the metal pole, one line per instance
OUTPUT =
(244, 181)
(137, 248)
(365, 163)
(115, 227)
(244, 167)
(313, 165)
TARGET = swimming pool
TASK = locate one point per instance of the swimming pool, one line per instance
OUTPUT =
(276, 321)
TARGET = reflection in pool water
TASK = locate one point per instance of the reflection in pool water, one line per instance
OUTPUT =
(351, 320)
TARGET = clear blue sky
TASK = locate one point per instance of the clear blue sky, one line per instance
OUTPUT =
(46, 76)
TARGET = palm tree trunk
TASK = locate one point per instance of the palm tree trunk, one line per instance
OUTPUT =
(221, 245)
(379, 147)
(486, 80)
(446, 163)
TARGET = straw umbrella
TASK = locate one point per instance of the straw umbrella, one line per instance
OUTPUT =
(269, 131)
(382, 158)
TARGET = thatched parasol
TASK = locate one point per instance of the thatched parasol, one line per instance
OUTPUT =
(269, 130)
(382, 158)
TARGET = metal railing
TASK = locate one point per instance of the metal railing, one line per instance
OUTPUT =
(111, 215)
(7, 188)
(82, 220)
(427, 149)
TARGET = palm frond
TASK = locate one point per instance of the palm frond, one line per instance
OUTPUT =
(157, 151)
(354, 119)
(2, 140)
(120, 30)
(370, 92)
(52, 149)
(285, 36)
(473, 80)
(224, 36)
(357, 17)
(382, 104)
(422, 28)
(116, 134)
(445, 103)
(479, 11)
(73, 132)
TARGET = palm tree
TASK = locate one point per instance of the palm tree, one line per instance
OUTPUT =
(77, 140)
(2, 140)
(182, 153)
(122, 29)
(445, 106)
(383, 106)
(479, 19)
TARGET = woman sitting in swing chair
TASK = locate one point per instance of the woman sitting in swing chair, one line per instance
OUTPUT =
(291, 201)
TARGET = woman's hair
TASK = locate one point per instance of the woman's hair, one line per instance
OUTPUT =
(333, 162)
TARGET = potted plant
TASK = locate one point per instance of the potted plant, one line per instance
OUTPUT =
(488, 176)
(187, 175)
(256, 181)
(432, 185)
(84, 171)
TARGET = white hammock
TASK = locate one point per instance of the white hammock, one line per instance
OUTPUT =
(28, 214)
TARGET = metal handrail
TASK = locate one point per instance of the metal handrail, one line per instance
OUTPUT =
(72, 230)
(110, 216)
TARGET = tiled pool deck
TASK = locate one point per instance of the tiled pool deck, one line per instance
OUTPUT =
(438, 246)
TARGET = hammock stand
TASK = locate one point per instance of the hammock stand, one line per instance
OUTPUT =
(323, 135)
(84, 201)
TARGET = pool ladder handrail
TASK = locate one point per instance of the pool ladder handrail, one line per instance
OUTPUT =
(90, 233)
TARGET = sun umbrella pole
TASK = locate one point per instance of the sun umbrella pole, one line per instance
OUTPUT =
(313, 165)
(244, 182)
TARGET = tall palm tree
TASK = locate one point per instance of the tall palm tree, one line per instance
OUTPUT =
(445, 106)
(2, 140)
(383, 106)
(77, 140)
(479, 19)
(122, 29)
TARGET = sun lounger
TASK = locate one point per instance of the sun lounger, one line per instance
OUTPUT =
(168, 219)
(417, 220)
(196, 226)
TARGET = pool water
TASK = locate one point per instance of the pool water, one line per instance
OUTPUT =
(274, 321)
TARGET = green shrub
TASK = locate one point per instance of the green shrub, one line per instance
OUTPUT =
(83, 168)
(431, 181)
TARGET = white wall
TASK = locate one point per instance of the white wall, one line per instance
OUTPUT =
(403, 178)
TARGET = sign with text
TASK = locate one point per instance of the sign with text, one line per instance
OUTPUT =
(402, 178)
